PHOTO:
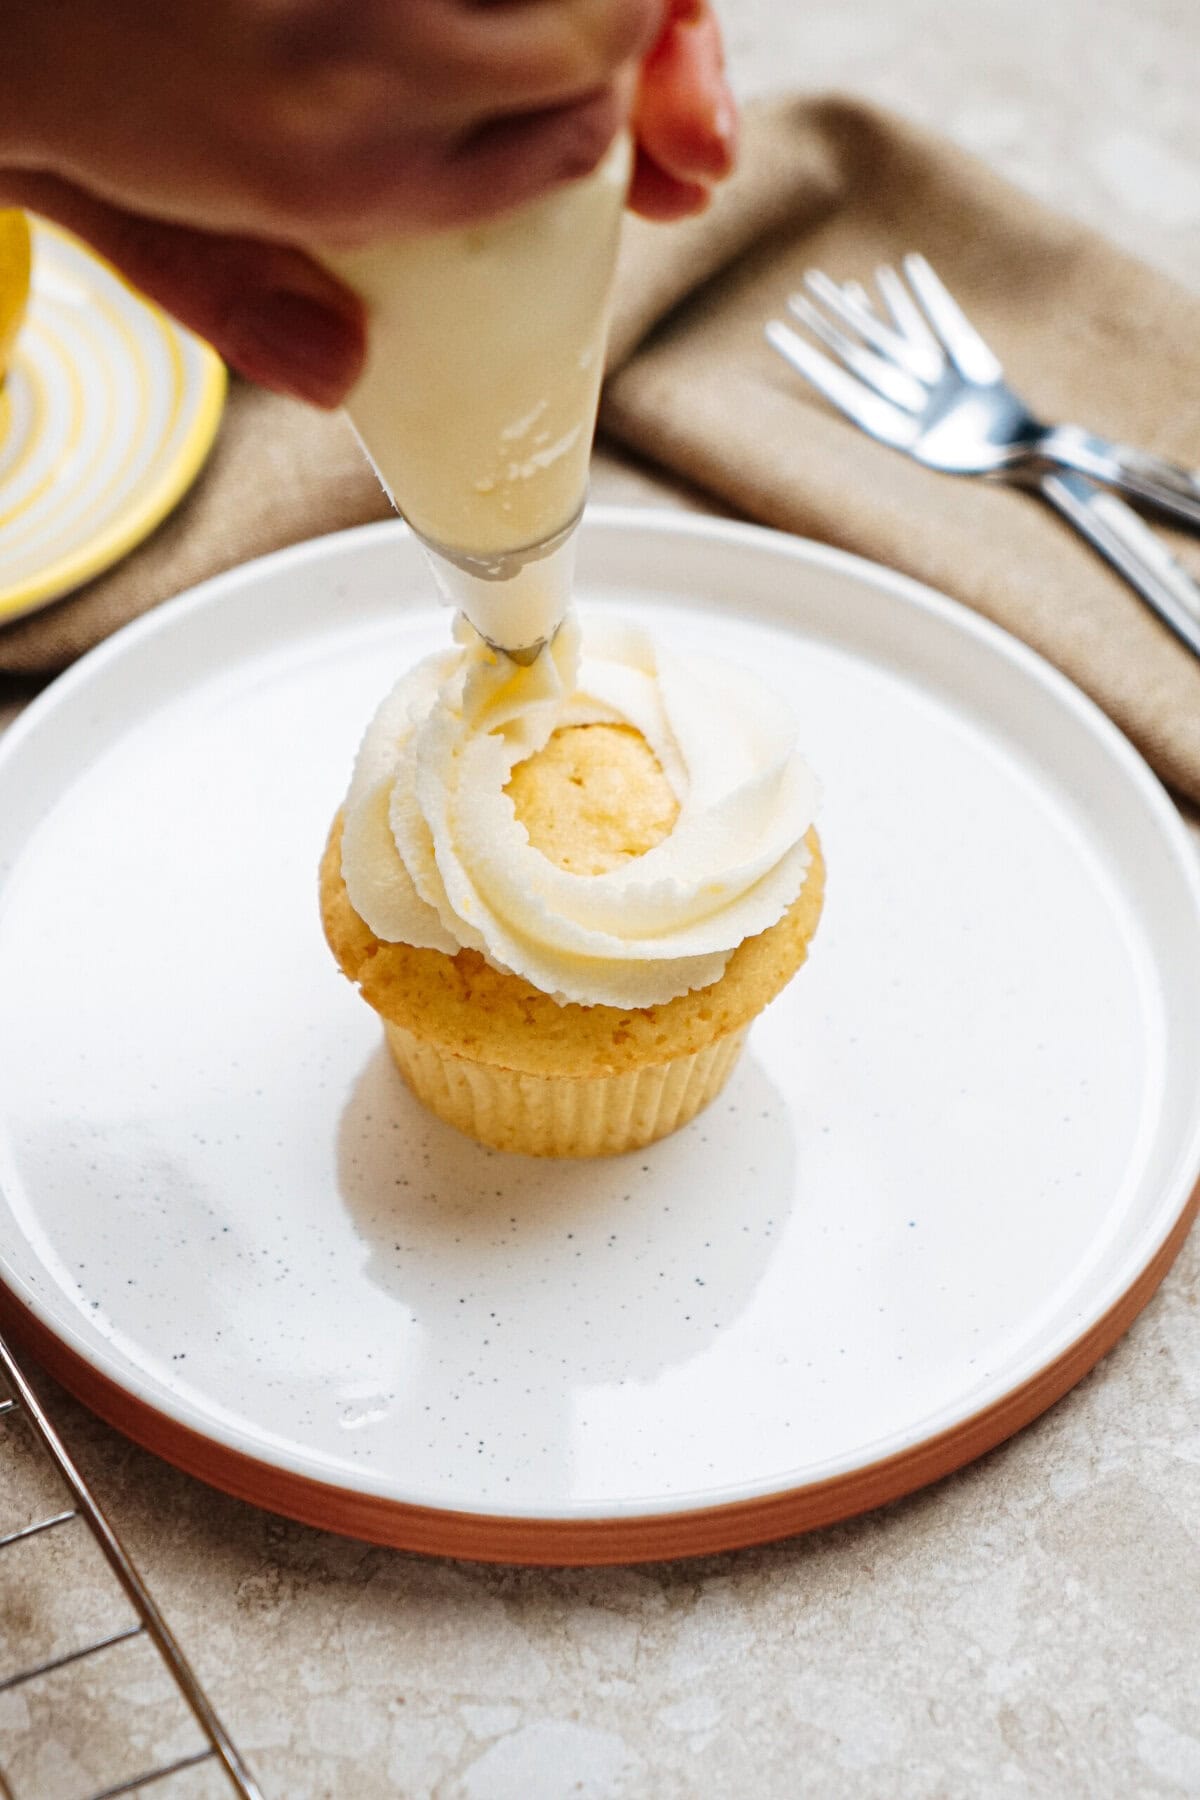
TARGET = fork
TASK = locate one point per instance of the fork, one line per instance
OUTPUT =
(955, 411)
(916, 375)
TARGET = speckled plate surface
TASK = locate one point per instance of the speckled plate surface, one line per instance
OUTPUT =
(108, 412)
(957, 1158)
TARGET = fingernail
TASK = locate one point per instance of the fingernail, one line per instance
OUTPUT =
(289, 341)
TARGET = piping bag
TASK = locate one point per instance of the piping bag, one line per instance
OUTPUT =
(477, 402)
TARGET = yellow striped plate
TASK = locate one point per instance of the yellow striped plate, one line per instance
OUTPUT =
(107, 414)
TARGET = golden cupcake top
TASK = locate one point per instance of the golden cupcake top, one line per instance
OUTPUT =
(609, 824)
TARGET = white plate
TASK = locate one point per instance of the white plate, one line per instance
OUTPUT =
(955, 1161)
(110, 409)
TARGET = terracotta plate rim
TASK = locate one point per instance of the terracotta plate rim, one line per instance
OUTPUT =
(634, 1530)
(592, 1541)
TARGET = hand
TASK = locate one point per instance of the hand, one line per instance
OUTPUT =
(198, 144)
(684, 118)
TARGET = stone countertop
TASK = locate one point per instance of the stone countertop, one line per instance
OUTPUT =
(1028, 1627)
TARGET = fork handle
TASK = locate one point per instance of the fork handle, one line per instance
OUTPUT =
(1151, 479)
(1125, 541)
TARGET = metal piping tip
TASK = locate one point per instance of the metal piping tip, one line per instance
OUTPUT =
(516, 599)
(526, 656)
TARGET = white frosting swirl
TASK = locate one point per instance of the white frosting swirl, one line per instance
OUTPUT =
(433, 854)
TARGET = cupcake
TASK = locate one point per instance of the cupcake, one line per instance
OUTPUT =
(568, 889)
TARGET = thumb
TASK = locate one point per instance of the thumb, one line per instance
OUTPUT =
(268, 308)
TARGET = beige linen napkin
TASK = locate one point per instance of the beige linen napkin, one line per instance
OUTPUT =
(1087, 332)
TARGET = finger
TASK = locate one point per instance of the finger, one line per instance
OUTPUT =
(570, 46)
(662, 197)
(489, 171)
(685, 116)
(460, 60)
(271, 311)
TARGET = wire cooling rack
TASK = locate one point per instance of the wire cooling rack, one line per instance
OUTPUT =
(85, 1512)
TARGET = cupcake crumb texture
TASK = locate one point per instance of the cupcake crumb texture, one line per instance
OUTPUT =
(593, 798)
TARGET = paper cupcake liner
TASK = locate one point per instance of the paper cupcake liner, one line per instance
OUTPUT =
(563, 1115)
